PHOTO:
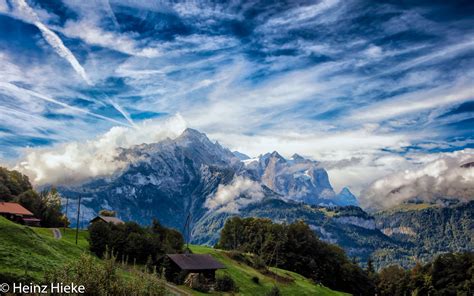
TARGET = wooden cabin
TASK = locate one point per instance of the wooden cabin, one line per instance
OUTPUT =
(17, 213)
(188, 264)
(107, 219)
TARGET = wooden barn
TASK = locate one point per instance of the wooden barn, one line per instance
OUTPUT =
(107, 219)
(192, 264)
(17, 213)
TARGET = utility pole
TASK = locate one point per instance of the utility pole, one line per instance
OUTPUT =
(78, 213)
(65, 221)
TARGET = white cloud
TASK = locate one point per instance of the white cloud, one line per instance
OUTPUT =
(234, 196)
(3, 6)
(441, 178)
(76, 161)
(19, 92)
(26, 13)
(415, 102)
(89, 32)
(300, 15)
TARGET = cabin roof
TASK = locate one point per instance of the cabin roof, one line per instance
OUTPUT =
(195, 261)
(14, 208)
(107, 219)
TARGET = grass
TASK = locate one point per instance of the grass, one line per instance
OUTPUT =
(32, 251)
(68, 235)
(242, 275)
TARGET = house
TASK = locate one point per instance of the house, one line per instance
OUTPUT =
(17, 213)
(189, 265)
(107, 219)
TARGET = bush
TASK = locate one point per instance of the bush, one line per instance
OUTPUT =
(102, 278)
(225, 284)
(10, 278)
(274, 291)
(240, 257)
(259, 263)
(256, 280)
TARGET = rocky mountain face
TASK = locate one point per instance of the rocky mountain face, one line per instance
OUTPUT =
(176, 177)
(428, 229)
(165, 180)
(297, 179)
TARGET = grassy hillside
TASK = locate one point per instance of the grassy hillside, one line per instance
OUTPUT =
(32, 251)
(242, 274)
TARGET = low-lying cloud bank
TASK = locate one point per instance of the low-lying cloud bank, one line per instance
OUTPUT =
(77, 161)
(442, 178)
(234, 196)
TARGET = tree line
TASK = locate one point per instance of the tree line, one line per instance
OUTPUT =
(133, 243)
(46, 205)
(448, 274)
(296, 247)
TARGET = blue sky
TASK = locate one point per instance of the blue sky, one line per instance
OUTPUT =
(366, 87)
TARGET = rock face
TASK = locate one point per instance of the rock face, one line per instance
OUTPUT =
(346, 198)
(297, 179)
(176, 177)
(165, 180)
(172, 178)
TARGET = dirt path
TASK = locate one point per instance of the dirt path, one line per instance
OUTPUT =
(57, 233)
(176, 290)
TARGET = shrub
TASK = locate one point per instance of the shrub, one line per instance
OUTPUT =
(256, 280)
(10, 278)
(259, 263)
(225, 284)
(274, 291)
(240, 257)
(236, 255)
(102, 278)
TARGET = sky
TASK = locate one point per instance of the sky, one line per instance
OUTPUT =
(369, 88)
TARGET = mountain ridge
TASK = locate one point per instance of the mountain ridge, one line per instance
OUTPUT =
(175, 177)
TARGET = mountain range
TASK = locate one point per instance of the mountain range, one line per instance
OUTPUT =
(190, 175)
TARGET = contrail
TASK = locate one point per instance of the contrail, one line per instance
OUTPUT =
(57, 44)
(52, 39)
(18, 90)
(111, 13)
(122, 111)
